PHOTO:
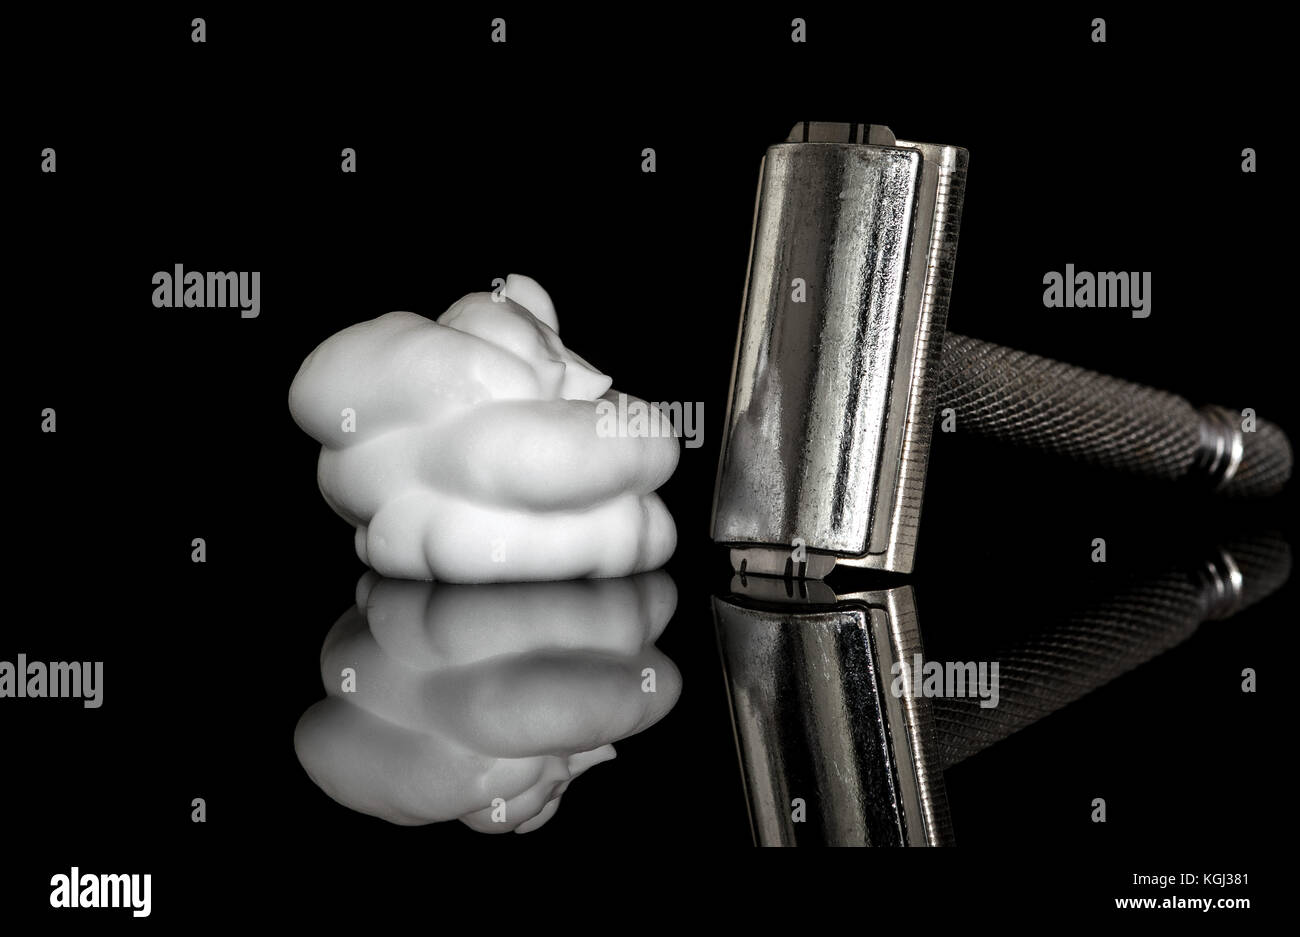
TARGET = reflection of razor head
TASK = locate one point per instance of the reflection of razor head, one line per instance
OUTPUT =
(830, 755)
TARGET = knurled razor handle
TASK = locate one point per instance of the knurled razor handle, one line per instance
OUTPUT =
(1020, 398)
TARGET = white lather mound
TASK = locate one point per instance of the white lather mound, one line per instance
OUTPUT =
(466, 449)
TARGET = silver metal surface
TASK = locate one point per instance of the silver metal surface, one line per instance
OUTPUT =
(1223, 586)
(1221, 445)
(781, 561)
(831, 407)
(829, 754)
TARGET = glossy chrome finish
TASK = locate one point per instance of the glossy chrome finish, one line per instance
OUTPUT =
(1223, 586)
(830, 755)
(832, 398)
(781, 561)
(1222, 445)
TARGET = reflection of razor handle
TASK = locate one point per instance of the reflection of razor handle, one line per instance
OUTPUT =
(1062, 664)
(1021, 398)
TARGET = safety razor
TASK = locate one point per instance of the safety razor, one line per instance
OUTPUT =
(843, 359)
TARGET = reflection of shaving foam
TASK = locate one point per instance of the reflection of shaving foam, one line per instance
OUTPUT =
(467, 449)
(482, 703)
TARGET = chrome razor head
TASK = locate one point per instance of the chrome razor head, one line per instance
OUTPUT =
(833, 385)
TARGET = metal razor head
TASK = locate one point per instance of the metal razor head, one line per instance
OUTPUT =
(832, 399)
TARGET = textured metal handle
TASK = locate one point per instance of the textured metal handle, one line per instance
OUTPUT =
(1021, 398)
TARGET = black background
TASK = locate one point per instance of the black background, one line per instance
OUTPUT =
(476, 160)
